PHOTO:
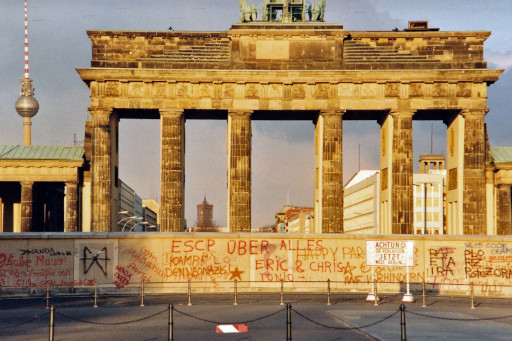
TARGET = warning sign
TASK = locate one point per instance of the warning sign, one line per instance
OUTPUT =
(389, 253)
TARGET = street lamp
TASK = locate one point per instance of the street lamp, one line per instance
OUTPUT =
(141, 223)
(132, 217)
(127, 222)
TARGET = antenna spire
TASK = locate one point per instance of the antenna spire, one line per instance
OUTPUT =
(26, 106)
(27, 73)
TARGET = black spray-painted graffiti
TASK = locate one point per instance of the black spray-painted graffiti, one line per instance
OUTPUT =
(91, 258)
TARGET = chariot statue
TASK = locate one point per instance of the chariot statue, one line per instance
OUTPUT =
(283, 10)
(316, 11)
(247, 12)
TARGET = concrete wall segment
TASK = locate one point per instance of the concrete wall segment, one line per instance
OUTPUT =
(449, 264)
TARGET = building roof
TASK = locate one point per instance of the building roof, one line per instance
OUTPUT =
(360, 176)
(501, 154)
(21, 152)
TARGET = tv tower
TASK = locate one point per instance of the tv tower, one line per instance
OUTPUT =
(26, 106)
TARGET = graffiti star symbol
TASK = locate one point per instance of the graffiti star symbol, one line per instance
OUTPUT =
(236, 273)
(349, 269)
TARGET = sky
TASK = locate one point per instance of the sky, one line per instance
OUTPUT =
(283, 152)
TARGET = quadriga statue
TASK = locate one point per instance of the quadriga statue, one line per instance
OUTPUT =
(316, 11)
(247, 12)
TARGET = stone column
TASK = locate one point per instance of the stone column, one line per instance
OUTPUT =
(71, 219)
(329, 172)
(1, 215)
(101, 165)
(474, 203)
(504, 210)
(397, 173)
(26, 206)
(239, 171)
(172, 192)
(402, 197)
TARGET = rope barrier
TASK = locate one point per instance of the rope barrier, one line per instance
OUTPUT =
(345, 328)
(240, 322)
(460, 319)
(24, 322)
(112, 323)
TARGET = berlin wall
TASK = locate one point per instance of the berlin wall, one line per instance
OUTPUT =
(166, 261)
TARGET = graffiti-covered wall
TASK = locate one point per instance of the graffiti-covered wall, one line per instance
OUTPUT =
(257, 261)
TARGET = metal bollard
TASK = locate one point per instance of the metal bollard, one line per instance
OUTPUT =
(235, 288)
(142, 293)
(52, 325)
(47, 297)
(288, 322)
(189, 292)
(328, 292)
(403, 333)
(170, 332)
(95, 295)
(282, 292)
(424, 305)
(376, 302)
(472, 296)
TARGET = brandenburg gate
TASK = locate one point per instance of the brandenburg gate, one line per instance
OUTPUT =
(297, 70)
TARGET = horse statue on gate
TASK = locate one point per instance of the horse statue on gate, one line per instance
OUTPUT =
(247, 12)
(316, 11)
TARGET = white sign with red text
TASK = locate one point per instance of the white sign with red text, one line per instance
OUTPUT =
(389, 253)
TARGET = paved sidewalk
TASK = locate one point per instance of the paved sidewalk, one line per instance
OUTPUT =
(446, 318)
(454, 318)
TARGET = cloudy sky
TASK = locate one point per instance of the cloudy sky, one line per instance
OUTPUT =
(282, 151)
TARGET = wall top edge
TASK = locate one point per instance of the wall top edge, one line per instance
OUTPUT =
(280, 236)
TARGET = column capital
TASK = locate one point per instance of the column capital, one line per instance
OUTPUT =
(474, 112)
(171, 112)
(503, 186)
(339, 112)
(100, 117)
(240, 113)
(402, 113)
(27, 183)
(94, 111)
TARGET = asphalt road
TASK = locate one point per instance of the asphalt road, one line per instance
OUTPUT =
(444, 318)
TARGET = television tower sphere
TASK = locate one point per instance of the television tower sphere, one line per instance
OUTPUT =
(27, 106)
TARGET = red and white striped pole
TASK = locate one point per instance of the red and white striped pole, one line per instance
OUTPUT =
(231, 328)
(27, 74)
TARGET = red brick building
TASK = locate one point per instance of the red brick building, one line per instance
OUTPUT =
(205, 214)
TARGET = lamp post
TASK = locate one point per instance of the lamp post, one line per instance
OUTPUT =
(131, 217)
(127, 222)
(126, 218)
(140, 223)
(120, 215)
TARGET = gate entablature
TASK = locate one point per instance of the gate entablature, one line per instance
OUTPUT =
(288, 90)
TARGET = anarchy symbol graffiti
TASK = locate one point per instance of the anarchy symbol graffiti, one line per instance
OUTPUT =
(100, 258)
